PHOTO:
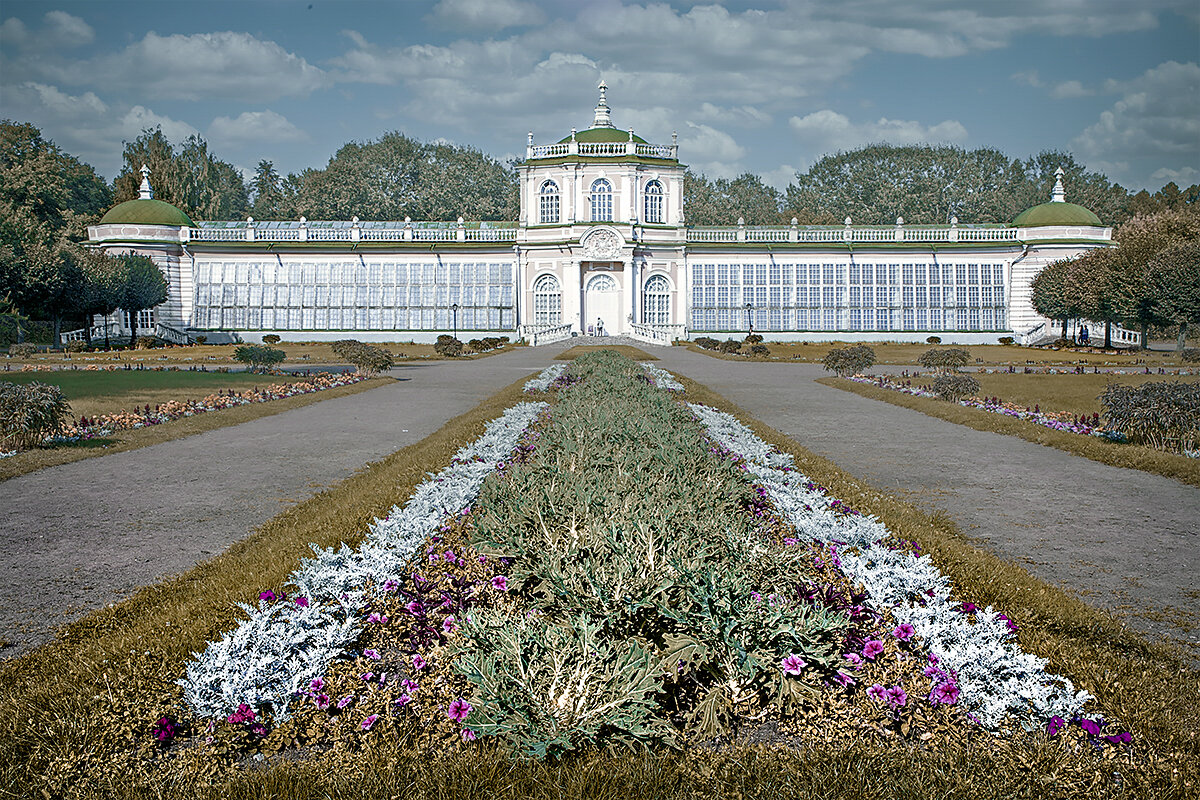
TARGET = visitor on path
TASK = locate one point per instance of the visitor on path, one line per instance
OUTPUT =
(599, 327)
(1083, 335)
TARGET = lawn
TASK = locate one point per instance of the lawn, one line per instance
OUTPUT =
(636, 353)
(1077, 394)
(618, 582)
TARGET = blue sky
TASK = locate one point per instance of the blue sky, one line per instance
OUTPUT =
(766, 87)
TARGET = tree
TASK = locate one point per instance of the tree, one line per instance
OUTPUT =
(1091, 281)
(258, 357)
(1174, 280)
(1049, 293)
(143, 287)
(103, 278)
(53, 284)
(268, 195)
(1139, 240)
(1092, 190)
(723, 202)
(188, 177)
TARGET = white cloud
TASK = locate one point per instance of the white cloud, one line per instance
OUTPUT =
(254, 127)
(1182, 176)
(1155, 124)
(1059, 91)
(737, 115)
(828, 129)
(65, 30)
(61, 103)
(780, 177)
(485, 14)
(711, 151)
(140, 118)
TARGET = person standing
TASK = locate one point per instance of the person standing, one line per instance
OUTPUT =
(599, 327)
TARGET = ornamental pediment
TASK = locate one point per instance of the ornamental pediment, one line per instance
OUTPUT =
(602, 244)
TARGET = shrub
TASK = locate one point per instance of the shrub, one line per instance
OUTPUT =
(1163, 414)
(503, 340)
(76, 346)
(342, 348)
(753, 338)
(448, 346)
(271, 338)
(934, 340)
(257, 356)
(849, 360)
(1191, 354)
(954, 386)
(493, 343)
(201, 339)
(759, 350)
(730, 346)
(369, 359)
(28, 414)
(476, 345)
(944, 361)
(1006, 340)
(23, 350)
(707, 342)
(147, 343)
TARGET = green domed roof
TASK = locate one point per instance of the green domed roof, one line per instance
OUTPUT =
(1056, 213)
(602, 135)
(146, 212)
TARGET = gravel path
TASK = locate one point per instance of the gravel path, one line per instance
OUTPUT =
(82, 535)
(1125, 540)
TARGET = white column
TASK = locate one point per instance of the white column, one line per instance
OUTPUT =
(572, 296)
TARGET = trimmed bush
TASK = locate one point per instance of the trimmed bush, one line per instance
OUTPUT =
(30, 413)
(1162, 414)
(955, 386)
(945, 360)
(257, 356)
(448, 346)
(849, 360)
(476, 345)
(753, 338)
(76, 346)
(271, 338)
(342, 348)
(730, 346)
(1191, 354)
(934, 340)
(707, 342)
(23, 350)
(759, 350)
(1006, 340)
(147, 343)
(369, 359)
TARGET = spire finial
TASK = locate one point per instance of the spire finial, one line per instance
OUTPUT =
(1059, 195)
(144, 190)
(602, 118)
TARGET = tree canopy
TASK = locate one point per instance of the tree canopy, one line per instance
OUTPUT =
(188, 177)
(723, 201)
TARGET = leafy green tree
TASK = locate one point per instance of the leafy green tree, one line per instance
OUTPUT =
(1092, 281)
(143, 287)
(1092, 190)
(1049, 293)
(103, 278)
(723, 201)
(1174, 280)
(258, 357)
(1139, 241)
(188, 177)
(1168, 197)
(268, 192)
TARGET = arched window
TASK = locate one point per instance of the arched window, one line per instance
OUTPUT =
(602, 201)
(656, 301)
(654, 203)
(547, 301)
(548, 203)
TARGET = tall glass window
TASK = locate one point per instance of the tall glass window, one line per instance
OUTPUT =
(654, 203)
(548, 203)
(547, 301)
(602, 201)
(656, 301)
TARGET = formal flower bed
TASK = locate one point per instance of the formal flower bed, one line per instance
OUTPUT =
(621, 568)
(544, 381)
(1058, 420)
(108, 424)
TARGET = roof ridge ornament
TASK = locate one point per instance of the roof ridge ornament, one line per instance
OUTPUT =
(1059, 195)
(602, 119)
(145, 192)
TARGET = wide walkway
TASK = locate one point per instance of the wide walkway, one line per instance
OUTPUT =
(83, 535)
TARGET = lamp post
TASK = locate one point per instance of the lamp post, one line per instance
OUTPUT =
(454, 308)
(749, 324)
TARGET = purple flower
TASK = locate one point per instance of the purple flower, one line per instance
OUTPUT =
(322, 701)
(366, 676)
(967, 608)
(1090, 726)
(164, 729)
(448, 555)
(1125, 737)
(268, 595)
(1055, 725)
(1012, 626)
(459, 710)
(316, 685)
(904, 631)
(897, 697)
(448, 625)
(345, 701)
(369, 721)
(933, 659)
(390, 586)
(403, 700)
(468, 735)
(371, 654)
(854, 658)
(409, 686)
(756, 597)
(500, 583)
(933, 672)
(302, 602)
(377, 617)
(419, 662)
(945, 693)
(793, 664)
(878, 692)
(415, 608)
(844, 679)
(872, 648)
(791, 541)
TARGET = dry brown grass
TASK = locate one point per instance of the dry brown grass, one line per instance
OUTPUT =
(1129, 456)
(629, 351)
(1078, 394)
(982, 355)
(79, 709)
(121, 441)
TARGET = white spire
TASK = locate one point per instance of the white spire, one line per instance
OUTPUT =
(1059, 195)
(602, 118)
(144, 191)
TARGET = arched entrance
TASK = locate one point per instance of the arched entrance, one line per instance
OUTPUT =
(602, 305)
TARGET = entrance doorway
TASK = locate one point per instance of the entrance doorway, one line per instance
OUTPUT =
(602, 305)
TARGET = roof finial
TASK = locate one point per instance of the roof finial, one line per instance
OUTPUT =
(602, 118)
(1059, 195)
(144, 191)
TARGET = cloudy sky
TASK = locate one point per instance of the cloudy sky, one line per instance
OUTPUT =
(766, 86)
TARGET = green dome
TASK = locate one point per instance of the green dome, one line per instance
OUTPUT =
(603, 135)
(146, 212)
(1056, 213)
